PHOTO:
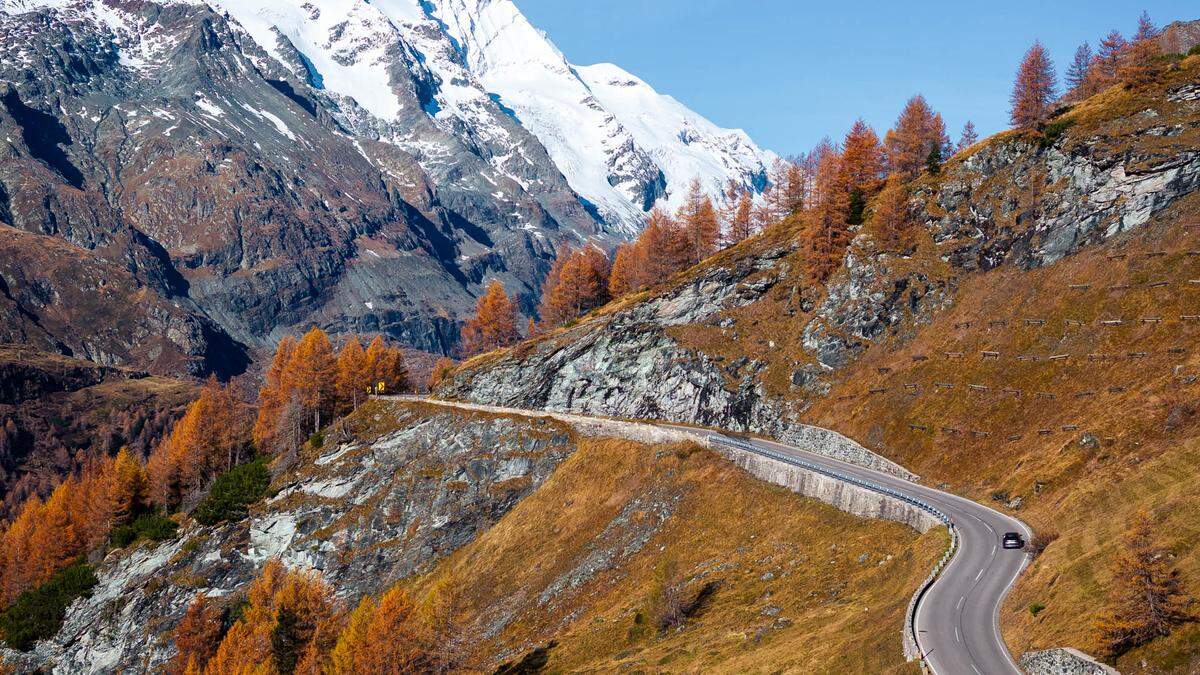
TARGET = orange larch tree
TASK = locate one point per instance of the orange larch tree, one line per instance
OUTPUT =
(494, 324)
(826, 233)
(789, 180)
(861, 170)
(211, 437)
(698, 218)
(892, 217)
(290, 624)
(627, 270)
(919, 135)
(387, 367)
(130, 489)
(354, 379)
(576, 284)
(273, 396)
(1033, 91)
(197, 636)
(76, 518)
(442, 368)
(1105, 65)
(1137, 64)
(311, 377)
(1146, 597)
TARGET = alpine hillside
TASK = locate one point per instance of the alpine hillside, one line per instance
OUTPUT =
(1028, 340)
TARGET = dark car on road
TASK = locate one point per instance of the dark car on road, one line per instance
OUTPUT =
(1012, 540)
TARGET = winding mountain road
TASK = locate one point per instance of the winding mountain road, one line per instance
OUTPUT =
(956, 622)
(957, 618)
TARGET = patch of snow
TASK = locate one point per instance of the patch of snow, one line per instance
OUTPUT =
(209, 107)
(346, 42)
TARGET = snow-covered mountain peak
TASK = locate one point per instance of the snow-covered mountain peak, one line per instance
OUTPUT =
(581, 115)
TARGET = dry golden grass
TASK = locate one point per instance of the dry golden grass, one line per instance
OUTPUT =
(1136, 408)
(792, 594)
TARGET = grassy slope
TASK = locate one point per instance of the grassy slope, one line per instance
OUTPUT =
(835, 613)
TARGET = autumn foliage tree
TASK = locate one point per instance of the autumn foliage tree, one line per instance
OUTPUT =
(381, 637)
(494, 324)
(1136, 64)
(789, 184)
(576, 284)
(197, 636)
(918, 137)
(826, 232)
(657, 253)
(1033, 91)
(441, 370)
(860, 172)
(272, 397)
(292, 623)
(892, 217)
(1146, 598)
(307, 383)
(47, 536)
(210, 437)
(698, 220)
(289, 624)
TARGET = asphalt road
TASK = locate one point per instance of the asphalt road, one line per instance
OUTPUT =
(957, 620)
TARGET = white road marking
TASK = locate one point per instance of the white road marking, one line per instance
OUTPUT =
(993, 549)
(957, 635)
(960, 602)
(975, 669)
(978, 575)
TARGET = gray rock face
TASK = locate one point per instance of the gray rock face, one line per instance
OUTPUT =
(1063, 661)
(365, 513)
(627, 365)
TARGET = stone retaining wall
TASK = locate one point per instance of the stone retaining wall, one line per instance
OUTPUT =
(1063, 661)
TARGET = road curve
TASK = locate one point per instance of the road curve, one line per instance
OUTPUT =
(957, 618)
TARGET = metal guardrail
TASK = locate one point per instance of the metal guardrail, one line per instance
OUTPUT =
(910, 624)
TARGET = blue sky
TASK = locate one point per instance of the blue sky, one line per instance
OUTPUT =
(790, 72)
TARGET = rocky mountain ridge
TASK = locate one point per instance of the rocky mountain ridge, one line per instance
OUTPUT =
(1029, 346)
